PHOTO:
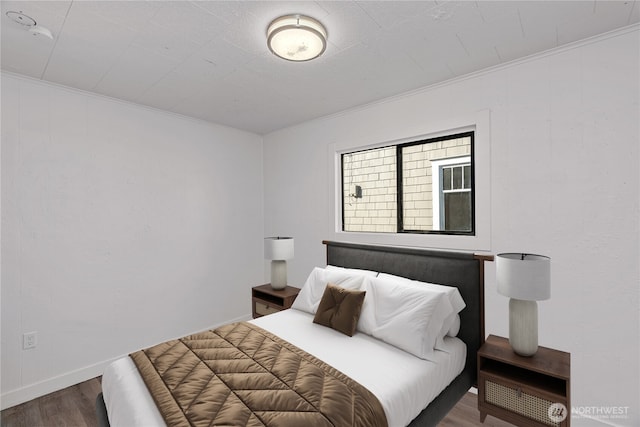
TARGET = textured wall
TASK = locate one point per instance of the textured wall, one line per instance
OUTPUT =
(122, 226)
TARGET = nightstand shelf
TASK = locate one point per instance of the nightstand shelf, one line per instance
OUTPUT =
(266, 300)
(521, 390)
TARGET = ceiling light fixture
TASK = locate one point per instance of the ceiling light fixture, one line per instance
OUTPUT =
(28, 23)
(296, 37)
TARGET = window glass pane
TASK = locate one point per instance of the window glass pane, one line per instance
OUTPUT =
(457, 211)
(457, 178)
(417, 191)
(446, 179)
(431, 189)
(372, 208)
(467, 176)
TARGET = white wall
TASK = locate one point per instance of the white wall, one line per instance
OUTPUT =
(564, 182)
(122, 227)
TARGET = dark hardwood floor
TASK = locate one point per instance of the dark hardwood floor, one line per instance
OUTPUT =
(466, 414)
(72, 406)
(75, 407)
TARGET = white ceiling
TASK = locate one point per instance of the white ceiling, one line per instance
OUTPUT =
(209, 59)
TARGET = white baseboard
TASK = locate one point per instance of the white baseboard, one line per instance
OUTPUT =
(39, 389)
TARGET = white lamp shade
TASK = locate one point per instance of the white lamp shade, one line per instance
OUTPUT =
(278, 248)
(524, 276)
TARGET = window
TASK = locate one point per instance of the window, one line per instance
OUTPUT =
(417, 187)
(452, 183)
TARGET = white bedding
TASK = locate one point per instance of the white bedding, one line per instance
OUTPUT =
(403, 383)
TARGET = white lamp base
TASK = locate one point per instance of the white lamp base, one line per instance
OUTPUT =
(523, 326)
(278, 274)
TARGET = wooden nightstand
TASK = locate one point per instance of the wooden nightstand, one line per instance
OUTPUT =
(521, 390)
(266, 300)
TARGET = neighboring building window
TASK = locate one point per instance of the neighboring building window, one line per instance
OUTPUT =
(430, 192)
(452, 208)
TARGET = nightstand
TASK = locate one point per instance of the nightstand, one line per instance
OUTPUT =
(266, 300)
(525, 391)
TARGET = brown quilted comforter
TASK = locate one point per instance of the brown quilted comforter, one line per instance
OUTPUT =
(242, 375)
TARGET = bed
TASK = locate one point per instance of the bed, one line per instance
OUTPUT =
(455, 368)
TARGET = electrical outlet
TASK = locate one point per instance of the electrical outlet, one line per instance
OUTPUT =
(29, 340)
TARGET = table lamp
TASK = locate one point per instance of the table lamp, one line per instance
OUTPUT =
(278, 250)
(525, 279)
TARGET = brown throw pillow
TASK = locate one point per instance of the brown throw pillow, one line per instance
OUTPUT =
(339, 309)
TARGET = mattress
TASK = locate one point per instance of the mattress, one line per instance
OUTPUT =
(403, 383)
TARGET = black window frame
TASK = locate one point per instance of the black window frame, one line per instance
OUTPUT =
(399, 186)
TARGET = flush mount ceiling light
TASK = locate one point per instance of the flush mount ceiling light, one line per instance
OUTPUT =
(296, 38)
(29, 24)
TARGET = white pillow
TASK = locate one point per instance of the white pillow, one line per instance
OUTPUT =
(454, 329)
(452, 292)
(310, 295)
(405, 316)
(352, 270)
(455, 299)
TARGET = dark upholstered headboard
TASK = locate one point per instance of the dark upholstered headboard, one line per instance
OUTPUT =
(460, 269)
